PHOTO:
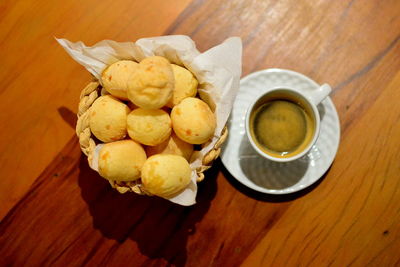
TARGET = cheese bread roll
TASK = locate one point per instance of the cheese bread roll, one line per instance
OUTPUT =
(193, 121)
(116, 76)
(149, 126)
(165, 175)
(185, 85)
(151, 85)
(173, 145)
(121, 160)
(107, 118)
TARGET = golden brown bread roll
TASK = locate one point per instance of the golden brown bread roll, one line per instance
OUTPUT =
(165, 175)
(116, 76)
(151, 85)
(173, 145)
(185, 85)
(193, 121)
(107, 118)
(149, 126)
(121, 160)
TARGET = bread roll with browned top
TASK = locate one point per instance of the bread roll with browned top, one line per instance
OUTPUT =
(116, 76)
(151, 85)
(149, 126)
(165, 175)
(121, 160)
(185, 85)
(193, 121)
(107, 118)
(173, 145)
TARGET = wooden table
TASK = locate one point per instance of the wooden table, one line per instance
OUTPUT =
(54, 210)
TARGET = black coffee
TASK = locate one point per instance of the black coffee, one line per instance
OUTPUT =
(281, 127)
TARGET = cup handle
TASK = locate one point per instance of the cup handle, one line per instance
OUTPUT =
(320, 94)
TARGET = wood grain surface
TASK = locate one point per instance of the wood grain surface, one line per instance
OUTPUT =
(55, 211)
(40, 84)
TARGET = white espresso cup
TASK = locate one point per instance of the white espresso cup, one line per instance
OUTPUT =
(284, 118)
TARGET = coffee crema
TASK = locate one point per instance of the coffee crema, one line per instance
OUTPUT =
(282, 125)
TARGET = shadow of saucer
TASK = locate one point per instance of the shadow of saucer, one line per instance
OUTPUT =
(160, 228)
(269, 197)
(269, 174)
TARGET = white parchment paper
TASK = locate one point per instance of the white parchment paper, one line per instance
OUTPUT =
(218, 71)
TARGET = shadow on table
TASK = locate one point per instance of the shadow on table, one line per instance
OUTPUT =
(159, 227)
(68, 116)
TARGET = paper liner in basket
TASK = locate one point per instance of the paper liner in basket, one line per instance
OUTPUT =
(218, 71)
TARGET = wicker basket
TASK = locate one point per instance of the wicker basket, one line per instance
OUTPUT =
(88, 95)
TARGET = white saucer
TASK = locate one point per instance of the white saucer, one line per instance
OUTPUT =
(265, 176)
